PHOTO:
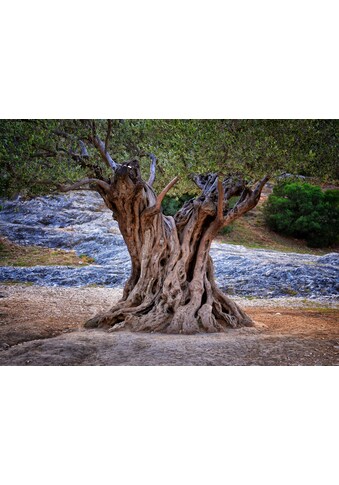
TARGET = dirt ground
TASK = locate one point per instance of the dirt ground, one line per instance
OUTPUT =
(43, 326)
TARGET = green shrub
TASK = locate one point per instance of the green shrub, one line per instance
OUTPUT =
(171, 204)
(304, 211)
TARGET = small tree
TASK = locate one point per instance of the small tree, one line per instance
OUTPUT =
(304, 211)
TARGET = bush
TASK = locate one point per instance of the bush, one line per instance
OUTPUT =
(171, 204)
(304, 211)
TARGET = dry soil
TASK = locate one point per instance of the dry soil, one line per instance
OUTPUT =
(44, 326)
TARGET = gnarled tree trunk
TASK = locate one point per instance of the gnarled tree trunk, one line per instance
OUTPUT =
(172, 288)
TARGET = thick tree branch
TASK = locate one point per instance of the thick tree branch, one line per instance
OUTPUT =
(162, 194)
(76, 185)
(152, 169)
(201, 180)
(248, 200)
(260, 185)
(155, 209)
(100, 146)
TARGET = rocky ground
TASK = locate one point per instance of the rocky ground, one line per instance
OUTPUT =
(79, 221)
(44, 326)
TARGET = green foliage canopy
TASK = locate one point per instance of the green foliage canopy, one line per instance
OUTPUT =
(35, 155)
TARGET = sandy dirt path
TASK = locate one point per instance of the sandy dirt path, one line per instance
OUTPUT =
(43, 326)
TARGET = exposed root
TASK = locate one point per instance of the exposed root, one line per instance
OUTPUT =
(213, 316)
(117, 326)
(208, 321)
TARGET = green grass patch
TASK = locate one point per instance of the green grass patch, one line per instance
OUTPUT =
(12, 254)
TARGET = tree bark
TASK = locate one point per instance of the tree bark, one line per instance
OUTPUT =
(172, 287)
